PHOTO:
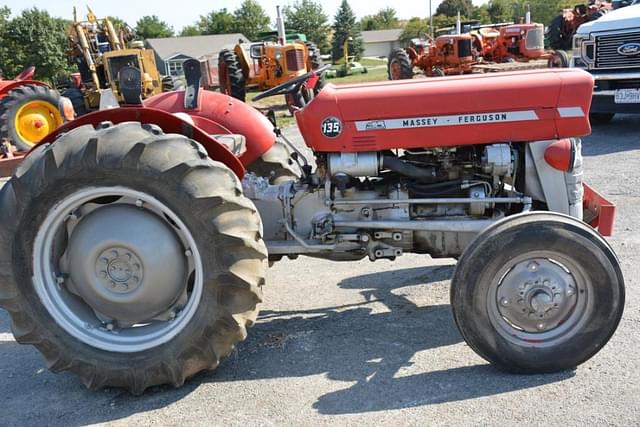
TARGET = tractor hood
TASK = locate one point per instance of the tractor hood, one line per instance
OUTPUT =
(474, 109)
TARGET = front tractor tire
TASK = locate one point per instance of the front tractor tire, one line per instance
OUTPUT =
(400, 66)
(29, 113)
(538, 292)
(125, 265)
(230, 75)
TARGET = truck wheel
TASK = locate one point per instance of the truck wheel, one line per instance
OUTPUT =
(125, 265)
(400, 66)
(276, 164)
(558, 40)
(538, 292)
(601, 118)
(230, 75)
(29, 113)
(169, 84)
(560, 59)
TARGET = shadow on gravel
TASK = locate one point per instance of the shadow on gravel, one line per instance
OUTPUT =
(348, 343)
(351, 343)
(624, 130)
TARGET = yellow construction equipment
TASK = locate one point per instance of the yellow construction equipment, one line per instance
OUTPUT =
(100, 51)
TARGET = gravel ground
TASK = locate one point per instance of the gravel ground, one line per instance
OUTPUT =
(370, 343)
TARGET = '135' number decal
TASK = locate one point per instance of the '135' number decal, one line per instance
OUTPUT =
(331, 127)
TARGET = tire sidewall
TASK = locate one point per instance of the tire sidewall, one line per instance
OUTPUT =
(482, 263)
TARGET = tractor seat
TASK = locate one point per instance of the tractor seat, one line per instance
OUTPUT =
(490, 33)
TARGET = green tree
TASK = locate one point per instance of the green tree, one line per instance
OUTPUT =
(345, 27)
(34, 38)
(452, 7)
(308, 17)
(414, 28)
(5, 13)
(383, 20)
(500, 11)
(190, 30)
(151, 27)
(216, 22)
(250, 19)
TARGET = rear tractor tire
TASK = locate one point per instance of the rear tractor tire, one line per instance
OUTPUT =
(538, 292)
(230, 75)
(29, 113)
(560, 59)
(400, 66)
(277, 165)
(84, 283)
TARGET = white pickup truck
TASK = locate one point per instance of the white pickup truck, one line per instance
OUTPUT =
(609, 48)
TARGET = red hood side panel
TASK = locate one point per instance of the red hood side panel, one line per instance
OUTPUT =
(475, 109)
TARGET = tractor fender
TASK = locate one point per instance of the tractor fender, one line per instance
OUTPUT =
(168, 122)
(413, 54)
(7, 86)
(227, 113)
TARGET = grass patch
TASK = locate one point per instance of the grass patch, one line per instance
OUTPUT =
(373, 62)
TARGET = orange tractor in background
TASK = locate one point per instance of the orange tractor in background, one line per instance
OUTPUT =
(436, 57)
(515, 43)
(563, 27)
(29, 111)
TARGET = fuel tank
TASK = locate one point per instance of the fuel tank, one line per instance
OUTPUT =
(473, 109)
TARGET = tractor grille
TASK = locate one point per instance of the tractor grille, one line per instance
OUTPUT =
(295, 60)
(607, 55)
(535, 39)
(464, 48)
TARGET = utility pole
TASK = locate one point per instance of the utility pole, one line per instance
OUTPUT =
(430, 19)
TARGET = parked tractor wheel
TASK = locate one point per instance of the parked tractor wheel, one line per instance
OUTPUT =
(29, 113)
(601, 118)
(276, 164)
(560, 59)
(558, 39)
(538, 292)
(83, 282)
(230, 75)
(315, 62)
(170, 83)
(437, 72)
(400, 66)
(76, 97)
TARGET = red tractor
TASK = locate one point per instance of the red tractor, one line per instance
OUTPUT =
(445, 55)
(563, 27)
(30, 110)
(515, 43)
(135, 241)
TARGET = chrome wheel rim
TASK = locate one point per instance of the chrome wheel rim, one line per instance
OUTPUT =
(540, 299)
(117, 269)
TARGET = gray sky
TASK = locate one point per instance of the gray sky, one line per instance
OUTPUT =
(180, 13)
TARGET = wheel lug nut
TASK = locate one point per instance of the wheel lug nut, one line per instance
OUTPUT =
(188, 252)
(110, 327)
(59, 280)
(103, 274)
(533, 266)
(135, 279)
(504, 302)
(541, 326)
(570, 291)
(114, 253)
(104, 260)
(136, 266)
(139, 203)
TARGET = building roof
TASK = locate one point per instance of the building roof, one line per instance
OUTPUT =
(194, 46)
(377, 36)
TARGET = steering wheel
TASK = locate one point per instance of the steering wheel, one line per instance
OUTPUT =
(292, 86)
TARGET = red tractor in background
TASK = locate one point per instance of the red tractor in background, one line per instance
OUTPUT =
(445, 55)
(135, 241)
(515, 43)
(29, 111)
(563, 27)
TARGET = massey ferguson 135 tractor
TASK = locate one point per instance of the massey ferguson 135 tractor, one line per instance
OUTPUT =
(134, 243)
